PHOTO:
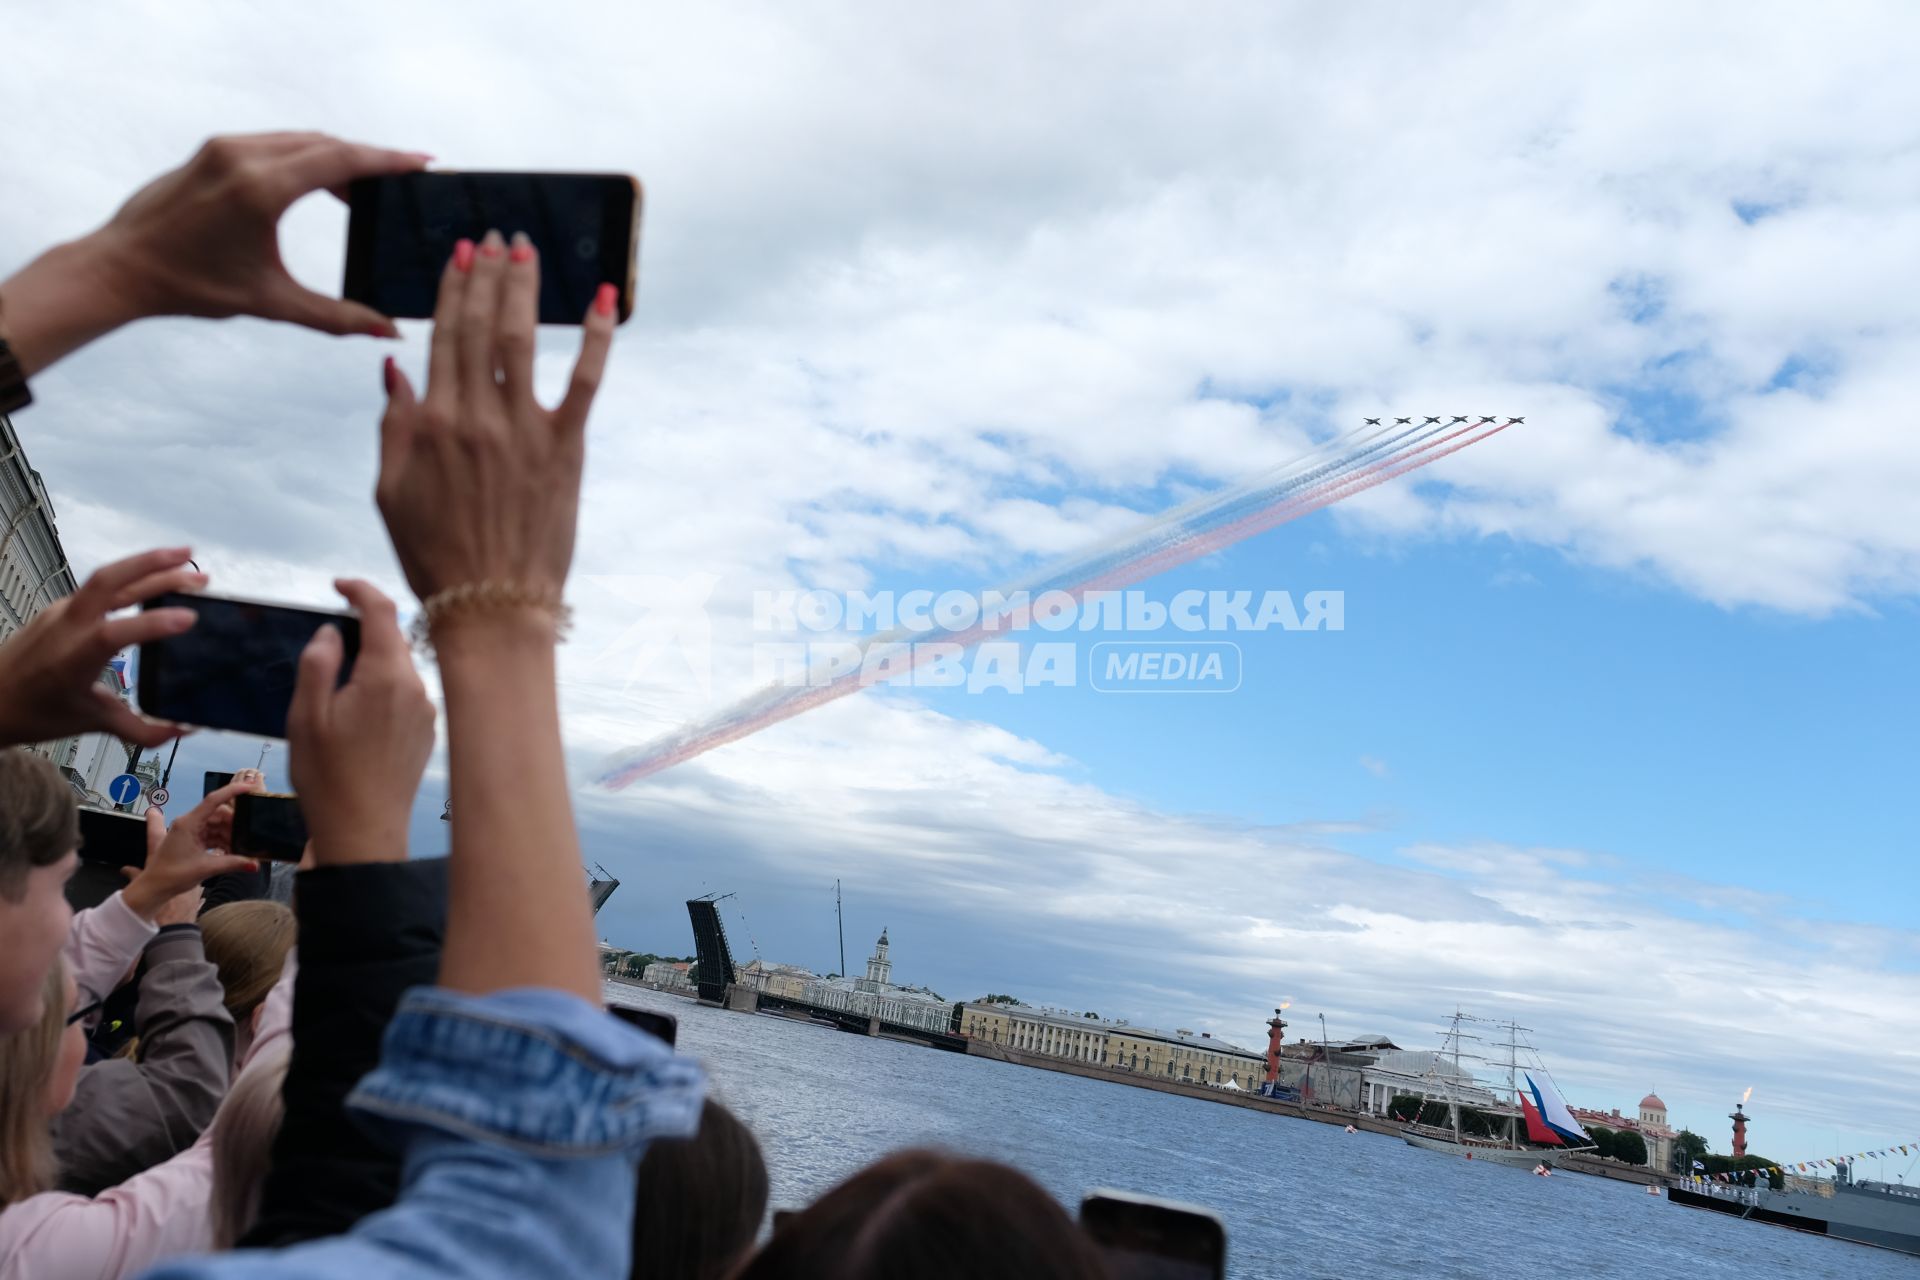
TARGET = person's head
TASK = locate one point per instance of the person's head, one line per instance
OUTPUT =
(242, 1140)
(248, 943)
(699, 1201)
(925, 1215)
(39, 833)
(39, 1067)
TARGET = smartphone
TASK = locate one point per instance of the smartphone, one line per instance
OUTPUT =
(235, 668)
(663, 1025)
(212, 780)
(402, 229)
(112, 839)
(269, 825)
(1146, 1238)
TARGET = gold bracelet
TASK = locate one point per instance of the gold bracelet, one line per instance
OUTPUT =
(489, 597)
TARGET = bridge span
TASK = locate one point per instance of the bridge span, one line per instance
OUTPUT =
(718, 982)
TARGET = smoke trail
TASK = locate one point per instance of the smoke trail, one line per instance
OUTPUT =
(1317, 479)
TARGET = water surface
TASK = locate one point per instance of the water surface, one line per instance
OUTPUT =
(1299, 1198)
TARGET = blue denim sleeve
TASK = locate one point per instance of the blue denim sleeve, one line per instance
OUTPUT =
(523, 1113)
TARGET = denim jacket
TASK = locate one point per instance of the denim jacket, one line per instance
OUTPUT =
(523, 1114)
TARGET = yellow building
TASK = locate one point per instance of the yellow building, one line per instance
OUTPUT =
(1167, 1055)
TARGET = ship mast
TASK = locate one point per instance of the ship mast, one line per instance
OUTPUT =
(841, 921)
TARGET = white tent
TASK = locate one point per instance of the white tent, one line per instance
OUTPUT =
(1231, 1085)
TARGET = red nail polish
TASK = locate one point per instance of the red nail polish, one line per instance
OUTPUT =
(490, 247)
(603, 301)
(387, 374)
(463, 254)
(520, 253)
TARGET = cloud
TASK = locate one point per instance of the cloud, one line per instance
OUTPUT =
(954, 290)
(1031, 879)
(1375, 766)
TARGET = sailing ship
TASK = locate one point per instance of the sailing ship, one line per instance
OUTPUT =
(1531, 1099)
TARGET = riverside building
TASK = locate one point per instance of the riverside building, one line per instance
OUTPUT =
(33, 574)
(1193, 1058)
(875, 995)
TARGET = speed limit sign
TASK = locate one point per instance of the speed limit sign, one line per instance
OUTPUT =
(158, 796)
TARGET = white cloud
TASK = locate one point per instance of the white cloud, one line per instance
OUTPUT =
(957, 288)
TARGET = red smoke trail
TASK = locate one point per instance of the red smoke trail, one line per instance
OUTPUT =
(804, 698)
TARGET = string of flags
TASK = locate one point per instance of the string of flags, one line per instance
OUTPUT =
(1806, 1166)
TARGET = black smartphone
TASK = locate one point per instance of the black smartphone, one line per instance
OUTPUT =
(235, 668)
(266, 825)
(663, 1025)
(1146, 1238)
(212, 780)
(402, 230)
(112, 839)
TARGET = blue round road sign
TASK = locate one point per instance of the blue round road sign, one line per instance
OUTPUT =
(123, 789)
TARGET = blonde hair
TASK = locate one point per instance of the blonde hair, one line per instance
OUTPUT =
(27, 1058)
(248, 943)
(242, 1141)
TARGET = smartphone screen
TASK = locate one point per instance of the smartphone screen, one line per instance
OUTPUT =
(1144, 1238)
(663, 1025)
(269, 826)
(403, 228)
(212, 780)
(112, 839)
(235, 669)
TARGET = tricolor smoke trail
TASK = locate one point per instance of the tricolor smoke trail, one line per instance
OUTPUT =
(1338, 469)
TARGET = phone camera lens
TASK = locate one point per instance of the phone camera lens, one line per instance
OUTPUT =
(587, 247)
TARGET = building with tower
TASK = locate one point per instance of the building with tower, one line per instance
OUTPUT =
(879, 967)
(876, 996)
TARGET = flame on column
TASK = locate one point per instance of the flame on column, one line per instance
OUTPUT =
(1746, 1095)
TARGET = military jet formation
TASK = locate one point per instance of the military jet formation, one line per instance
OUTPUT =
(1458, 417)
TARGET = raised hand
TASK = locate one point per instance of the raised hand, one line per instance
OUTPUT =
(357, 752)
(478, 483)
(202, 240)
(177, 857)
(50, 671)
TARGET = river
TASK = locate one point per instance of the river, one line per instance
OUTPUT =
(1299, 1198)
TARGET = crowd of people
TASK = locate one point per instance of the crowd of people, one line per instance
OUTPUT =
(408, 1069)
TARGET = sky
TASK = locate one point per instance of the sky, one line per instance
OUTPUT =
(1612, 738)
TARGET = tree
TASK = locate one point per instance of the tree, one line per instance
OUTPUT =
(991, 998)
(1629, 1147)
(1603, 1141)
(1688, 1146)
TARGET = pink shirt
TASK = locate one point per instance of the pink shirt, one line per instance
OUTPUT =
(163, 1213)
(102, 944)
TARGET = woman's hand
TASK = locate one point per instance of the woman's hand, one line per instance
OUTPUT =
(202, 240)
(50, 672)
(219, 828)
(478, 483)
(357, 752)
(177, 857)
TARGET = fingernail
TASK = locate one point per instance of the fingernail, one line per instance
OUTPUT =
(387, 374)
(603, 301)
(381, 329)
(184, 620)
(492, 245)
(463, 254)
(522, 248)
(421, 156)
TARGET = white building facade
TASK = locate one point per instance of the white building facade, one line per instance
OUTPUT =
(33, 574)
